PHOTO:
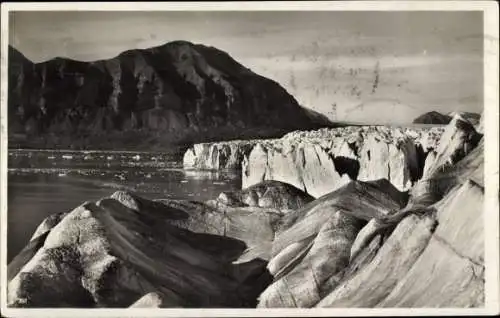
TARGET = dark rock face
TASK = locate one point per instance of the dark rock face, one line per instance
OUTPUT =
(176, 93)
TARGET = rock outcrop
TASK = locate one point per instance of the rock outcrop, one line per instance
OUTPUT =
(473, 118)
(179, 92)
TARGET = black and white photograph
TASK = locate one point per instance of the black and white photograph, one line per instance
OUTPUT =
(249, 157)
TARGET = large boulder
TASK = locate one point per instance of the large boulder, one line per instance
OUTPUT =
(298, 280)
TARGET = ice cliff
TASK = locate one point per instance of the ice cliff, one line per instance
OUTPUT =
(321, 161)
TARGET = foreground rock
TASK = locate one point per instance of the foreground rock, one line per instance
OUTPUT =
(113, 252)
(313, 244)
(433, 260)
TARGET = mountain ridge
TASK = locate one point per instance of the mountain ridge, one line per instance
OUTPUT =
(437, 118)
(175, 93)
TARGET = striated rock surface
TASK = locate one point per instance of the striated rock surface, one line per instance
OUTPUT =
(430, 259)
(313, 244)
(175, 93)
(458, 156)
(108, 254)
(454, 256)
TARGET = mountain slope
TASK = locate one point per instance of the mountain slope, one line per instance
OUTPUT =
(432, 118)
(442, 119)
(175, 93)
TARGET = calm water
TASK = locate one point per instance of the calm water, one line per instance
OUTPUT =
(44, 182)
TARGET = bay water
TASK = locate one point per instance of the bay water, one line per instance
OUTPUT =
(43, 182)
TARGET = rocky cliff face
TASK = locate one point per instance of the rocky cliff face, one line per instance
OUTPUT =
(178, 92)
(321, 161)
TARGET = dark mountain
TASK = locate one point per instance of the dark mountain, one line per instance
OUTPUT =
(442, 119)
(432, 118)
(177, 93)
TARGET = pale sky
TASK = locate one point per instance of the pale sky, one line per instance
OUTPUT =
(425, 60)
